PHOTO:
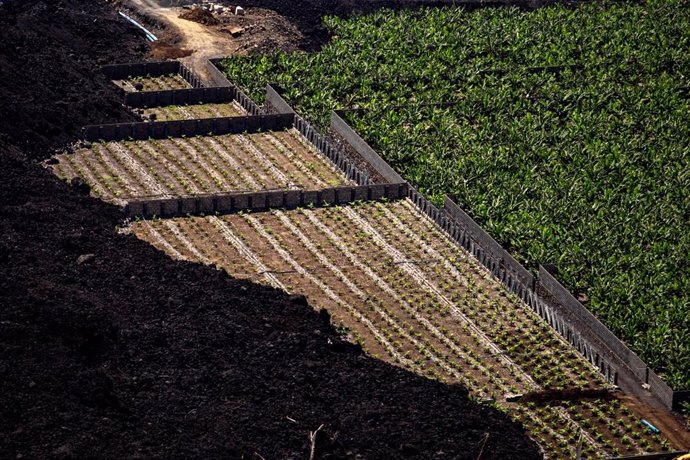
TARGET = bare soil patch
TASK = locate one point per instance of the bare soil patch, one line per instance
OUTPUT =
(201, 16)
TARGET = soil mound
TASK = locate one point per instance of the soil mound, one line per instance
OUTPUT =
(201, 16)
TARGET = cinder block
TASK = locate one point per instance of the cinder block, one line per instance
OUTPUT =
(182, 97)
(109, 132)
(205, 125)
(237, 125)
(173, 128)
(240, 202)
(224, 203)
(170, 207)
(166, 98)
(133, 99)
(343, 194)
(134, 209)
(257, 200)
(189, 127)
(206, 205)
(254, 123)
(188, 206)
(274, 199)
(136, 70)
(269, 123)
(152, 208)
(327, 196)
(158, 131)
(220, 125)
(392, 192)
(310, 197)
(292, 198)
(140, 131)
(377, 191)
(361, 192)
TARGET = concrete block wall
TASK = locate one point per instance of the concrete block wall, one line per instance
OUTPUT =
(567, 316)
(323, 145)
(276, 101)
(218, 78)
(178, 128)
(484, 240)
(345, 132)
(624, 355)
(180, 97)
(260, 200)
(152, 69)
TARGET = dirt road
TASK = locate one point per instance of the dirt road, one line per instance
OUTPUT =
(202, 41)
(262, 30)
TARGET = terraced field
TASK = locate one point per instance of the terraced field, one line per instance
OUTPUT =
(409, 295)
(195, 111)
(165, 82)
(118, 171)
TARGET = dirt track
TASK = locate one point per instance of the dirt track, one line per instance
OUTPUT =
(262, 30)
(202, 41)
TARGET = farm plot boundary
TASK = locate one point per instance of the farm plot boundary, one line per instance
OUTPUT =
(151, 69)
(262, 200)
(218, 79)
(179, 128)
(572, 320)
(150, 99)
(275, 103)
(202, 95)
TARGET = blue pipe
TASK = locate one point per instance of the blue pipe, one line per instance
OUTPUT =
(654, 429)
(149, 35)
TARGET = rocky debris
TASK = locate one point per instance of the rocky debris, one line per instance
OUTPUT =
(201, 16)
(234, 31)
(84, 258)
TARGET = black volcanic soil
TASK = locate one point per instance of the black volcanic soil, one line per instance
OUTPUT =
(110, 349)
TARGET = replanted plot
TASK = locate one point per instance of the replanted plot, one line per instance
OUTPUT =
(119, 171)
(195, 111)
(146, 83)
(413, 298)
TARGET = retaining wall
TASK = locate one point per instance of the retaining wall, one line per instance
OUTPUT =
(178, 128)
(378, 164)
(468, 234)
(219, 79)
(276, 101)
(335, 154)
(624, 355)
(180, 97)
(261, 200)
(151, 69)
(566, 315)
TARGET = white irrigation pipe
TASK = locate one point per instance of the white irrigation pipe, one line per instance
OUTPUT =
(149, 35)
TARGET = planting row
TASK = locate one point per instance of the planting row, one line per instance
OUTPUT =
(118, 171)
(195, 111)
(165, 82)
(403, 290)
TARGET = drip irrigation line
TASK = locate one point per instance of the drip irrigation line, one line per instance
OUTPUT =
(149, 35)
